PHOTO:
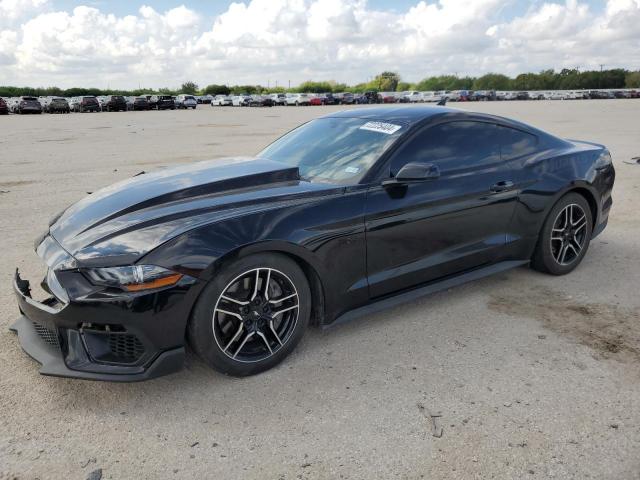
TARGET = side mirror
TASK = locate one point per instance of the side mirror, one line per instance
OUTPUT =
(414, 172)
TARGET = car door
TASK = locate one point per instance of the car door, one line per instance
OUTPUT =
(421, 231)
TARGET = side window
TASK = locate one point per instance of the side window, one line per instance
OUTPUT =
(451, 146)
(516, 143)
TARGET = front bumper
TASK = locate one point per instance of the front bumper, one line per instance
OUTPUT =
(94, 341)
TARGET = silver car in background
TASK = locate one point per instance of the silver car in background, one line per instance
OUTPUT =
(186, 102)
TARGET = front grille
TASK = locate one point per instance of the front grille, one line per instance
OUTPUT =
(126, 347)
(48, 335)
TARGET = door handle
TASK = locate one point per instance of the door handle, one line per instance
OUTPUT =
(502, 186)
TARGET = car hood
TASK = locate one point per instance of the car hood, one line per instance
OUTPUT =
(118, 224)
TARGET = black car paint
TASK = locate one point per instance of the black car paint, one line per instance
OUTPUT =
(163, 102)
(358, 244)
(115, 103)
(89, 104)
(141, 103)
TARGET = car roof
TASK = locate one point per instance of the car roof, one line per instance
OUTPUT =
(407, 115)
(411, 115)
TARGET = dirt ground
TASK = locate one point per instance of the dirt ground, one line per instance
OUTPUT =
(528, 375)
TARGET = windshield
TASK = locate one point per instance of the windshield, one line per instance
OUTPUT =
(334, 150)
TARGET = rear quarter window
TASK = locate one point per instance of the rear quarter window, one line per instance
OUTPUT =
(516, 143)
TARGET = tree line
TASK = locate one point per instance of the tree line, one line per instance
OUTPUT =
(566, 79)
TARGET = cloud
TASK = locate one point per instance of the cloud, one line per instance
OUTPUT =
(347, 40)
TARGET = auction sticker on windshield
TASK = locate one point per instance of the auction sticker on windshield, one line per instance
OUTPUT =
(381, 127)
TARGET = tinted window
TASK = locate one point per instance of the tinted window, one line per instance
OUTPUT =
(451, 146)
(516, 143)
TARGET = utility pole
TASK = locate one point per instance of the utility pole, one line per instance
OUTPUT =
(289, 84)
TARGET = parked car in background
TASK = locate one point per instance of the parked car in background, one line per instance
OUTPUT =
(57, 105)
(101, 101)
(370, 96)
(429, 97)
(261, 101)
(4, 108)
(522, 96)
(483, 95)
(28, 105)
(241, 100)
(452, 96)
(387, 97)
(186, 102)
(114, 103)
(413, 96)
(221, 101)
(279, 98)
(141, 103)
(163, 102)
(87, 104)
(153, 100)
(347, 99)
(204, 99)
(317, 99)
(330, 99)
(298, 99)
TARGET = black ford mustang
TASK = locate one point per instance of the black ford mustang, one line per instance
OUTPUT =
(346, 214)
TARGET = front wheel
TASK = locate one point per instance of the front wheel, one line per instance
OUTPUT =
(565, 236)
(251, 315)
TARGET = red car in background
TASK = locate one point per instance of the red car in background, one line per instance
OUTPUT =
(4, 109)
(388, 97)
(317, 100)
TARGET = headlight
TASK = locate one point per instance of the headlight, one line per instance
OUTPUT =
(55, 288)
(604, 160)
(133, 278)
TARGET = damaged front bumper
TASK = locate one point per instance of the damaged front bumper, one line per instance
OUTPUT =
(91, 341)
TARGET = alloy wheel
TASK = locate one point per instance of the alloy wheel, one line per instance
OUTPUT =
(255, 315)
(569, 234)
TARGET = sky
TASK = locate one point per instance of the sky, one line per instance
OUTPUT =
(153, 44)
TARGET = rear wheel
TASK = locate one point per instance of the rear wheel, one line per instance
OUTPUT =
(565, 236)
(252, 315)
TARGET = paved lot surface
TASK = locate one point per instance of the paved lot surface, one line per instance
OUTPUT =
(533, 376)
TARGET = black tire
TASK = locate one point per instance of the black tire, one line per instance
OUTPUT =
(548, 257)
(200, 330)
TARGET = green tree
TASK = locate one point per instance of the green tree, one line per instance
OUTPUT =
(216, 90)
(384, 82)
(404, 86)
(445, 82)
(245, 89)
(190, 88)
(632, 80)
(492, 81)
(166, 91)
(315, 87)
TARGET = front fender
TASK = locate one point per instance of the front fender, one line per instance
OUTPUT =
(327, 235)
